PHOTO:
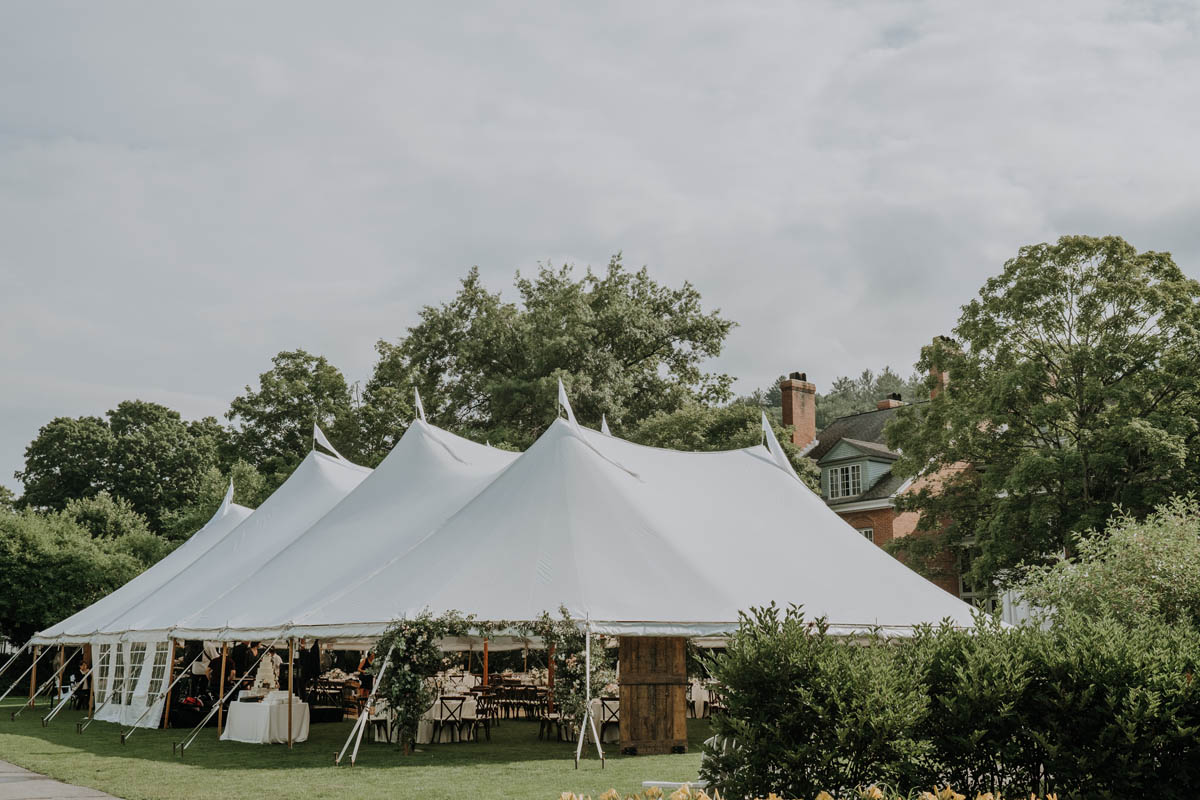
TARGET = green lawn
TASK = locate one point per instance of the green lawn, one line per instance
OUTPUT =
(513, 765)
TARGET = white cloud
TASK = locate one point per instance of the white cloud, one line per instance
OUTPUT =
(185, 190)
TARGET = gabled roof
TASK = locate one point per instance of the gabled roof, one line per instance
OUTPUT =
(867, 449)
(864, 427)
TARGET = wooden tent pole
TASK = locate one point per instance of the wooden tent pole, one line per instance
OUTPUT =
(291, 657)
(33, 674)
(221, 691)
(62, 667)
(485, 662)
(166, 722)
(550, 679)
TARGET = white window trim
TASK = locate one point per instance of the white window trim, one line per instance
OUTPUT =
(867, 533)
(853, 482)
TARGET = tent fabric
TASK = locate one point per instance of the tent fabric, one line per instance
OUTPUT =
(635, 540)
(78, 628)
(316, 486)
(427, 477)
(639, 541)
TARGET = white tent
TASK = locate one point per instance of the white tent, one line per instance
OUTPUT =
(136, 634)
(81, 626)
(641, 541)
(427, 477)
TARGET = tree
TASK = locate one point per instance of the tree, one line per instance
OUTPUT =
(53, 568)
(8, 500)
(1072, 392)
(69, 458)
(1139, 570)
(623, 344)
(250, 488)
(848, 396)
(731, 427)
(142, 452)
(274, 422)
(105, 517)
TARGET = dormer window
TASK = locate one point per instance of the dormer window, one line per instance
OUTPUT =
(845, 481)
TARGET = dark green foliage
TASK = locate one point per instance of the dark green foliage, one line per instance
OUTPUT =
(1086, 708)
(623, 344)
(275, 421)
(143, 453)
(50, 567)
(1074, 390)
(809, 713)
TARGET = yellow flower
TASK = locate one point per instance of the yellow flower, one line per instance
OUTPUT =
(567, 796)
(985, 796)
(928, 796)
(653, 793)
(871, 793)
(821, 796)
(611, 794)
(682, 793)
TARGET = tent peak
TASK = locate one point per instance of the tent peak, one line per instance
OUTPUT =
(419, 405)
(319, 438)
(564, 403)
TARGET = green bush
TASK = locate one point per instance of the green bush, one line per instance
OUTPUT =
(1091, 708)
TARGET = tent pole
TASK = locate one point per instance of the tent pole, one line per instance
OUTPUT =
(49, 717)
(33, 675)
(38, 690)
(166, 720)
(356, 732)
(15, 655)
(291, 656)
(550, 679)
(221, 690)
(485, 662)
(26, 672)
(62, 667)
(179, 747)
(587, 693)
(178, 678)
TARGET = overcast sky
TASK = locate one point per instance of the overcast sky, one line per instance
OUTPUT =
(187, 189)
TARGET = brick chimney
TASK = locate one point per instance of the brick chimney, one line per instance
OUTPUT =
(891, 401)
(800, 407)
(942, 378)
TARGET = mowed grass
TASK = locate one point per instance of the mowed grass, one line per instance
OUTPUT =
(513, 765)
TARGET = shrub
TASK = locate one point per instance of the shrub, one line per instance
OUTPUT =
(1087, 708)
(807, 713)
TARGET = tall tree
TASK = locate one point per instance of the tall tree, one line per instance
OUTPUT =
(274, 422)
(69, 458)
(624, 344)
(1073, 391)
(142, 452)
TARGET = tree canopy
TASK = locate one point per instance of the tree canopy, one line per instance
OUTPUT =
(273, 424)
(142, 452)
(1073, 391)
(623, 344)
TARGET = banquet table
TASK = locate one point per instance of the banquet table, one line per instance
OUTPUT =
(265, 723)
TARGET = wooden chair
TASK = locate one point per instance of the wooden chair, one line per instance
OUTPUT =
(449, 717)
(485, 715)
(716, 703)
(610, 714)
(548, 720)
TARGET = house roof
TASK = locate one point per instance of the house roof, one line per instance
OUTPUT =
(864, 432)
(870, 449)
(864, 427)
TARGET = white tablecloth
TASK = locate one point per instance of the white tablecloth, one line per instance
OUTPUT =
(265, 723)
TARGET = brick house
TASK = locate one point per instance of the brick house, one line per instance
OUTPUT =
(856, 472)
